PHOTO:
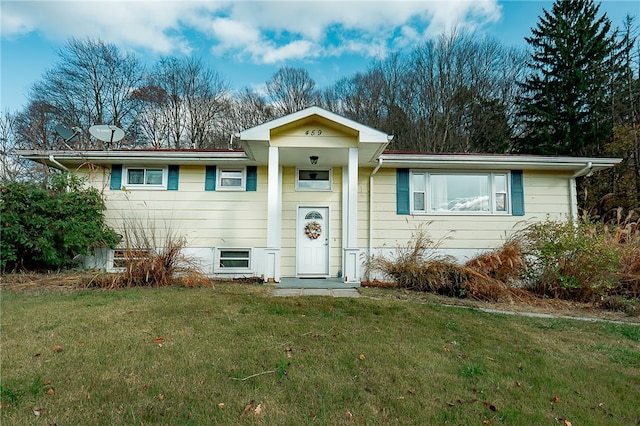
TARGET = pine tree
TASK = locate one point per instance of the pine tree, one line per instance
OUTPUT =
(565, 107)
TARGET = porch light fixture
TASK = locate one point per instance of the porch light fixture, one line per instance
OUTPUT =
(313, 159)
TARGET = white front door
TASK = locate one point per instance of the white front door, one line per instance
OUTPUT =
(312, 257)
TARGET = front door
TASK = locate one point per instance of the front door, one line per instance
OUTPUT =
(313, 241)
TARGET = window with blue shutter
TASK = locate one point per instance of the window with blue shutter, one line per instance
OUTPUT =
(116, 177)
(402, 191)
(252, 178)
(517, 193)
(210, 178)
(172, 178)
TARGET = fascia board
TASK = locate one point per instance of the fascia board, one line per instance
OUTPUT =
(496, 162)
(130, 157)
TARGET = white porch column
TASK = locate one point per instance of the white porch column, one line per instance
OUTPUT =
(351, 250)
(274, 215)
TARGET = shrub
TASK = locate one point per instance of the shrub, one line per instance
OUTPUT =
(46, 227)
(578, 261)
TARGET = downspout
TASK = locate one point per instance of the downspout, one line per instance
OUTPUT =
(375, 170)
(61, 167)
(573, 202)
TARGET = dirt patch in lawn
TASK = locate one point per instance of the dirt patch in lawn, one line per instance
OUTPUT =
(521, 301)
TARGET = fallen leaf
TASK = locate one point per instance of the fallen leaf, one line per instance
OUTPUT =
(349, 415)
(47, 383)
(463, 356)
(247, 408)
(490, 359)
(158, 340)
(490, 406)
(446, 349)
(361, 357)
(518, 384)
(57, 348)
(556, 399)
(288, 351)
(4, 405)
(221, 405)
(36, 412)
(567, 422)
(258, 410)
(486, 422)
(50, 391)
(36, 355)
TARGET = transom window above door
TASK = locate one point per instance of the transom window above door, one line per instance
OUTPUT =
(313, 180)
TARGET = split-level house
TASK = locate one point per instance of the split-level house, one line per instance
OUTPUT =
(312, 194)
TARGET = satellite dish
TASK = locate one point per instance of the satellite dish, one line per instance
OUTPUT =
(106, 132)
(66, 133)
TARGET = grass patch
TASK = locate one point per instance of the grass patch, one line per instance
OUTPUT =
(234, 355)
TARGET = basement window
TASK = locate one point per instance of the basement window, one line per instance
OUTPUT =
(233, 258)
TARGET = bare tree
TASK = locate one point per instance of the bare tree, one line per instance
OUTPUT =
(290, 90)
(12, 167)
(90, 85)
(185, 105)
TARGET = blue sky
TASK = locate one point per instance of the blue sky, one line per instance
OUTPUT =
(247, 41)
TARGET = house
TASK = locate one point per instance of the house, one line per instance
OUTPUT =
(313, 193)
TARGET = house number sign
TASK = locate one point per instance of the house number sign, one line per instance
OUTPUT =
(313, 132)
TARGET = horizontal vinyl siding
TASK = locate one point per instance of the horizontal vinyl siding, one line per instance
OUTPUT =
(205, 218)
(546, 195)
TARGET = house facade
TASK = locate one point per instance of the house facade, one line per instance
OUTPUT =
(312, 194)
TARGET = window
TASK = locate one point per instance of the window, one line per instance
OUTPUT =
(234, 258)
(146, 177)
(469, 193)
(231, 179)
(124, 257)
(313, 180)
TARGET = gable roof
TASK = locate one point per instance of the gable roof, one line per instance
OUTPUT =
(263, 131)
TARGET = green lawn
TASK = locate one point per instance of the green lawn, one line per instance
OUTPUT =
(186, 356)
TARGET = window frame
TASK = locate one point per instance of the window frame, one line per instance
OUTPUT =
(219, 177)
(218, 257)
(492, 188)
(162, 186)
(329, 170)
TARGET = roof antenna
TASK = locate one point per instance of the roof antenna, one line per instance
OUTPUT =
(67, 134)
(107, 133)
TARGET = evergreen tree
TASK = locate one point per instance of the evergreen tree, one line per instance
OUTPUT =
(564, 109)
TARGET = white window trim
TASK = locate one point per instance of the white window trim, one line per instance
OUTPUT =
(323, 169)
(243, 184)
(492, 193)
(220, 269)
(163, 186)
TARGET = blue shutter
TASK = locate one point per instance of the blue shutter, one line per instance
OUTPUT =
(517, 193)
(172, 178)
(116, 177)
(402, 191)
(210, 178)
(252, 178)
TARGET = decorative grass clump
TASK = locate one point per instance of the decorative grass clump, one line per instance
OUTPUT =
(152, 260)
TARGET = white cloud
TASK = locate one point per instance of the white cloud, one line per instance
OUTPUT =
(258, 31)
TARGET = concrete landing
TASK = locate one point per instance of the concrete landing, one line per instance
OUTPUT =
(331, 287)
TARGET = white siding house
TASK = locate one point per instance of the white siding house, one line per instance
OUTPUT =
(312, 194)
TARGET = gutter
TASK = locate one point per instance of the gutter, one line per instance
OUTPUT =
(573, 195)
(375, 170)
(61, 167)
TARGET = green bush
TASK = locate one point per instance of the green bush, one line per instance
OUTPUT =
(44, 228)
(568, 260)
